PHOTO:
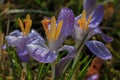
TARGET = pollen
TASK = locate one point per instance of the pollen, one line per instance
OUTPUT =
(25, 28)
(83, 22)
(52, 30)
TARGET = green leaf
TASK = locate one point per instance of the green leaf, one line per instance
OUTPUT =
(84, 70)
(40, 71)
(72, 72)
(29, 75)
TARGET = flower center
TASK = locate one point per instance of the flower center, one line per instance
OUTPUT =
(28, 22)
(52, 30)
(83, 22)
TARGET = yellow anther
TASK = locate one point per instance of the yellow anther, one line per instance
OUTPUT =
(28, 22)
(58, 29)
(83, 22)
(28, 17)
(21, 25)
(51, 30)
(88, 22)
(45, 26)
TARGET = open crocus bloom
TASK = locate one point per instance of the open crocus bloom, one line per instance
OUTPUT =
(89, 21)
(20, 39)
(87, 24)
(56, 32)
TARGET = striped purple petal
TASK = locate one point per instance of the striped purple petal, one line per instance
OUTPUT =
(15, 33)
(20, 43)
(67, 16)
(89, 5)
(23, 55)
(97, 30)
(12, 37)
(35, 38)
(93, 31)
(97, 16)
(63, 62)
(106, 38)
(41, 54)
(99, 49)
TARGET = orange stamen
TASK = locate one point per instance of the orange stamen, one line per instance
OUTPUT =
(28, 22)
(45, 26)
(58, 29)
(83, 23)
(21, 25)
(52, 28)
(53, 32)
(88, 22)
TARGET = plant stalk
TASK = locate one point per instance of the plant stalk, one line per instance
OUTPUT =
(53, 64)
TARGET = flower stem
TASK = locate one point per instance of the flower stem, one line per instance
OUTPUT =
(76, 59)
(53, 64)
(79, 46)
(75, 62)
(77, 54)
(24, 71)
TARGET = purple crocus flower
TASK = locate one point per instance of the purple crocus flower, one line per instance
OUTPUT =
(87, 23)
(89, 20)
(56, 32)
(19, 40)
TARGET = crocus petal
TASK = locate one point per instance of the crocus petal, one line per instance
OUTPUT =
(76, 27)
(33, 33)
(99, 49)
(12, 37)
(15, 33)
(93, 31)
(10, 40)
(93, 77)
(106, 38)
(35, 38)
(78, 17)
(67, 16)
(97, 16)
(23, 55)
(21, 48)
(41, 54)
(20, 43)
(89, 5)
(62, 63)
(97, 30)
